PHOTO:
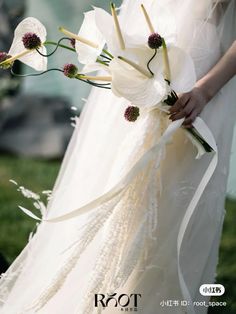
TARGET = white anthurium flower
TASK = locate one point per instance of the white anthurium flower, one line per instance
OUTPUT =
(136, 87)
(136, 34)
(93, 67)
(144, 89)
(29, 31)
(183, 74)
(105, 24)
(162, 21)
(88, 54)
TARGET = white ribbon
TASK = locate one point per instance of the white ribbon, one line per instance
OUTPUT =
(204, 131)
(120, 186)
(140, 165)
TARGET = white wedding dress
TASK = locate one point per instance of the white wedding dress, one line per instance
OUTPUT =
(128, 244)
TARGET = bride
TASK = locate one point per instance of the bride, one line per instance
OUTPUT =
(137, 245)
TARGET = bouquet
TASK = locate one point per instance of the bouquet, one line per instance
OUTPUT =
(142, 64)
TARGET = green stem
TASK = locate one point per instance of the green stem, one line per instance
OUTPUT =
(108, 53)
(62, 46)
(101, 62)
(172, 98)
(194, 132)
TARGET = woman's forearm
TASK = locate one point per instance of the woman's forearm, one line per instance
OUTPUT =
(190, 105)
(220, 74)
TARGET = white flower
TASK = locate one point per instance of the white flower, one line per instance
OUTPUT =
(136, 87)
(88, 54)
(30, 57)
(135, 35)
(150, 90)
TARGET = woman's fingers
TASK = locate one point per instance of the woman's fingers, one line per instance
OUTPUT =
(190, 119)
(186, 111)
(180, 103)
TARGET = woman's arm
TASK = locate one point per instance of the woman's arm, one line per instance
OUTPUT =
(190, 104)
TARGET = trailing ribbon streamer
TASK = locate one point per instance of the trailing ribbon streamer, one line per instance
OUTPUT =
(205, 132)
(207, 135)
(119, 187)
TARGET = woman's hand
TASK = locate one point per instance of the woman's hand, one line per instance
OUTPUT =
(189, 105)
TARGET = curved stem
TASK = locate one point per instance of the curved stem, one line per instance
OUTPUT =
(105, 86)
(62, 46)
(148, 64)
(57, 45)
(34, 74)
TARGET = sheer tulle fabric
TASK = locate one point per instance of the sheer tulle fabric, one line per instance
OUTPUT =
(128, 244)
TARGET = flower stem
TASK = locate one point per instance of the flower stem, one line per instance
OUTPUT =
(136, 67)
(148, 20)
(170, 101)
(108, 53)
(148, 64)
(194, 132)
(101, 62)
(57, 45)
(79, 38)
(34, 74)
(117, 27)
(60, 45)
(101, 85)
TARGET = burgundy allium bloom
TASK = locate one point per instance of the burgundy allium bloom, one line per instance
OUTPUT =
(70, 70)
(31, 41)
(154, 41)
(72, 42)
(131, 113)
(3, 57)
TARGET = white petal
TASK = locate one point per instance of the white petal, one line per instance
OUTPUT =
(183, 75)
(134, 86)
(33, 59)
(105, 23)
(93, 67)
(90, 31)
(30, 24)
(163, 21)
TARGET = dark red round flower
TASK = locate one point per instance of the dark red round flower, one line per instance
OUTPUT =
(131, 113)
(3, 57)
(70, 70)
(31, 41)
(154, 41)
(72, 42)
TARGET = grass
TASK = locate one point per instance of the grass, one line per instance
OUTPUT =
(38, 175)
(15, 226)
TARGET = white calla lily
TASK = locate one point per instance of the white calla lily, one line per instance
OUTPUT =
(30, 57)
(89, 30)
